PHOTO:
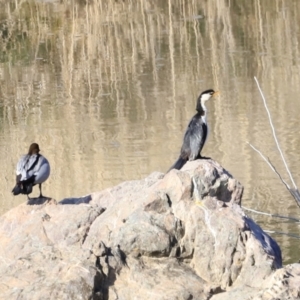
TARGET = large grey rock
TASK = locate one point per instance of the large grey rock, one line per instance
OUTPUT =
(40, 252)
(178, 236)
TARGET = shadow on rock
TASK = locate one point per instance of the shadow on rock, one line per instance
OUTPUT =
(80, 200)
(40, 200)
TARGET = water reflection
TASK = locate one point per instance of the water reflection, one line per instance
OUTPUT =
(107, 89)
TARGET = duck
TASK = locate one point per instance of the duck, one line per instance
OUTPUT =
(32, 169)
(196, 133)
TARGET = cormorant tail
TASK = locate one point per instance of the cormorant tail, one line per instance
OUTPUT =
(178, 164)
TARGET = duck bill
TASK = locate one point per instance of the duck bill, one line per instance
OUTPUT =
(217, 93)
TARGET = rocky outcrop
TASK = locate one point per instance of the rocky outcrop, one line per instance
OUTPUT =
(178, 236)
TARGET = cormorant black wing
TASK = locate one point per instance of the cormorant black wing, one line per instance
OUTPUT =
(194, 138)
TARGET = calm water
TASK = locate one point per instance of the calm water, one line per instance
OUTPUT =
(107, 91)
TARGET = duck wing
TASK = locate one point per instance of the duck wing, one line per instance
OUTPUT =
(27, 166)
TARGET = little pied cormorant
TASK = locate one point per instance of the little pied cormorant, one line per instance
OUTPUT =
(196, 133)
(32, 168)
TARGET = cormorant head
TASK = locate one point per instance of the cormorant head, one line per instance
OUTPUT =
(204, 96)
(34, 149)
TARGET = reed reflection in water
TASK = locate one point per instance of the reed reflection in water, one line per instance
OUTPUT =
(107, 89)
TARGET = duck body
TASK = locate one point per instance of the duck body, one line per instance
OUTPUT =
(196, 133)
(32, 168)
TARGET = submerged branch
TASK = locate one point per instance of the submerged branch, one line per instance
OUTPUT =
(271, 215)
(283, 233)
(296, 194)
(294, 191)
(275, 216)
(267, 160)
(274, 133)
